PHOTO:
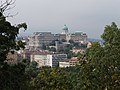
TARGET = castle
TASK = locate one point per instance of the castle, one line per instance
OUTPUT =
(38, 38)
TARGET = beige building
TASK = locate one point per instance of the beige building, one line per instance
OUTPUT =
(89, 44)
(78, 37)
(38, 38)
(12, 58)
(76, 50)
(46, 59)
(64, 64)
(73, 62)
(69, 62)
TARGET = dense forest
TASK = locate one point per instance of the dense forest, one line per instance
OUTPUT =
(99, 67)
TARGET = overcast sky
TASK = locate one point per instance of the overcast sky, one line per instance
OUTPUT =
(89, 16)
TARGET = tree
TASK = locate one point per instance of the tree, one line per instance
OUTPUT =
(111, 36)
(101, 67)
(63, 40)
(43, 46)
(8, 32)
(68, 52)
(12, 77)
(71, 41)
(31, 69)
(52, 79)
(53, 49)
(76, 44)
(52, 43)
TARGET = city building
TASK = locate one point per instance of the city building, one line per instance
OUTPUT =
(12, 58)
(64, 64)
(78, 37)
(76, 50)
(39, 38)
(73, 61)
(46, 59)
(89, 44)
(40, 58)
(69, 62)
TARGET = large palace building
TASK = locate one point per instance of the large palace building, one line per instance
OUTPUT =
(38, 38)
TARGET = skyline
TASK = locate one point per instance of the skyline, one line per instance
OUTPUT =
(88, 16)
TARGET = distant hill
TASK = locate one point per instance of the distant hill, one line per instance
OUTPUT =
(96, 40)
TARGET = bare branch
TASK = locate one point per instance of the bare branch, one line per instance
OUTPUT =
(10, 8)
(9, 15)
(2, 4)
(6, 5)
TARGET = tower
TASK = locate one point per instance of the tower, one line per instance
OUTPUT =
(65, 29)
(66, 32)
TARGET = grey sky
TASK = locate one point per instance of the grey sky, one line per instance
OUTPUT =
(89, 16)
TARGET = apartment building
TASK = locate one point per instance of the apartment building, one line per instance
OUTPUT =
(69, 62)
(46, 59)
(76, 50)
(64, 64)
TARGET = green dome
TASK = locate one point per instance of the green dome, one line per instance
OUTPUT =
(65, 27)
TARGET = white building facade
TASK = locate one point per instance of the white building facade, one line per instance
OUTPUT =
(51, 60)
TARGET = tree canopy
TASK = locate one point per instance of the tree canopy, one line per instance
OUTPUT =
(102, 68)
(8, 33)
(12, 77)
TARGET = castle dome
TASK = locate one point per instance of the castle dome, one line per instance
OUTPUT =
(65, 27)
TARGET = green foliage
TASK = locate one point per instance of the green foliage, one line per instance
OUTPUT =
(43, 46)
(52, 43)
(31, 70)
(71, 41)
(8, 34)
(111, 35)
(77, 54)
(52, 49)
(63, 40)
(13, 77)
(22, 25)
(101, 67)
(55, 79)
